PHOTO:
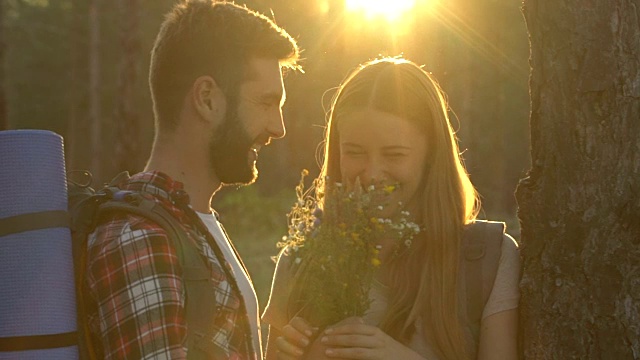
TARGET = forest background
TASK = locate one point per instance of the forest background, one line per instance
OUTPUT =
(80, 67)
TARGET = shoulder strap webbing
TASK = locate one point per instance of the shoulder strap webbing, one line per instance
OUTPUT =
(482, 242)
(34, 221)
(199, 308)
(233, 282)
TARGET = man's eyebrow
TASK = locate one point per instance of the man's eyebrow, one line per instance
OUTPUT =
(274, 97)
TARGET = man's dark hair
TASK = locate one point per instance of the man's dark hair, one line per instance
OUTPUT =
(206, 37)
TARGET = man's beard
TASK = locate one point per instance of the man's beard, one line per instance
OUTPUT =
(229, 152)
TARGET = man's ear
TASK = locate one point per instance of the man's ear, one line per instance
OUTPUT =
(208, 99)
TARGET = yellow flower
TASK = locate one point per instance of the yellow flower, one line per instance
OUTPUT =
(389, 189)
(375, 262)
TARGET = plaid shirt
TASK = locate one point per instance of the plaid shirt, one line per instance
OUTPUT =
(137, 297)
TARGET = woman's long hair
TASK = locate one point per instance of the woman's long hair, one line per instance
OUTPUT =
(424, 282)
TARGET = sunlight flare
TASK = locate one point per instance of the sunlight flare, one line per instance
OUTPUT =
(390, 10)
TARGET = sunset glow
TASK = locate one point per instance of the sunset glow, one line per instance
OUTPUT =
(390, 10)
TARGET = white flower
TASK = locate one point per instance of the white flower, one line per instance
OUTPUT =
(380, 207)
(297, 260)
(371, 188)
(339, 185)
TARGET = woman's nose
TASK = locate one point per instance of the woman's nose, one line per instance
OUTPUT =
(374, 172)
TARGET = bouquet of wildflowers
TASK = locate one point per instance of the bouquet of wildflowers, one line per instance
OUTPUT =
(333, 244)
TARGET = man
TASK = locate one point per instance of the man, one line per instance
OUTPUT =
(217, 90)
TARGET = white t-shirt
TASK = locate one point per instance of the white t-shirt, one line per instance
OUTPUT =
(242, 278)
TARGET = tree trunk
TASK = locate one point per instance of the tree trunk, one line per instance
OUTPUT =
(127, 133)
(95, 116)
(4, 114)
(77, 127)
(580, 204)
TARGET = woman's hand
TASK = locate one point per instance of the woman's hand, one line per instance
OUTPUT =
(361, 341)
(294, 339)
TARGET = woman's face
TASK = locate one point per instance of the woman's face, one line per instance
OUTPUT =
(378, 147)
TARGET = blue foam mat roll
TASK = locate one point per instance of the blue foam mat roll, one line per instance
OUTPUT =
(36, 267)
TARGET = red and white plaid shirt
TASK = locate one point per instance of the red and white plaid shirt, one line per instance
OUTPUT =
(137, 297)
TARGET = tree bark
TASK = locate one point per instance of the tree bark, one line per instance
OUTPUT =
(580, 204)
(127, 133)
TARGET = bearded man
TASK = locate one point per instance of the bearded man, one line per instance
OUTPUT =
(217, 89)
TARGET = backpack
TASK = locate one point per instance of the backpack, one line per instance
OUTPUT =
(86, 208)
(481, 251)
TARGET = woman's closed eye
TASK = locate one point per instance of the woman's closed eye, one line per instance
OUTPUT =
(395, 155)
(353, 152)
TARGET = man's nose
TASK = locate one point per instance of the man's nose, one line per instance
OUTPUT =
(276, 128)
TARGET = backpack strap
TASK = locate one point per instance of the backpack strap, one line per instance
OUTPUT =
(482, 248)
(202, 348)
(200, 310)
(34, 221)
(112, 200)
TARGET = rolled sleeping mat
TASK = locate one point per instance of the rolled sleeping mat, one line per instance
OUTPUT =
(37, 289)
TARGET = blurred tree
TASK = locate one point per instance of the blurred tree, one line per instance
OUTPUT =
(77, 124)
(126, 154)
(481, 64)
(95, 84)
(53, 82)
(38, 63)
(4, 116)
(579, 204)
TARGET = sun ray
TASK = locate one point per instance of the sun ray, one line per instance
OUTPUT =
(389, 10)
(476, 41)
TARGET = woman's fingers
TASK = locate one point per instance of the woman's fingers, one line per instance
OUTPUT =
(352, 328)
(297, 333)
(350, 353)
(296, 337)
(302, 326)
(287, 350)
(350, 340)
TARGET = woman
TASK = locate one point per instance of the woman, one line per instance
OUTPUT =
(389, 123)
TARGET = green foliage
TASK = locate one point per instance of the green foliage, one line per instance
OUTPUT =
(254, 222)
